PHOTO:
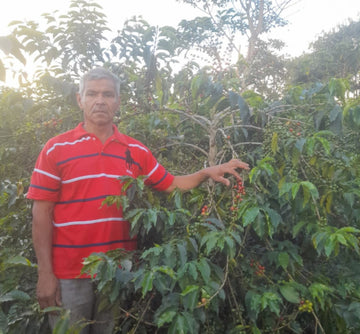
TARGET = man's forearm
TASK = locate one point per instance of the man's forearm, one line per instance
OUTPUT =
(48, 288)
(42, 232)
(188, 182)
(216, 173)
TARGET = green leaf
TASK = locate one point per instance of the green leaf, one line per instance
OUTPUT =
(319, 291)
(267, 168)
(272, 301)
(255, 330)
(179, 326)
(253, 303)
(274, 143)
(335, 112)
(62, 324)
(152, 216)
(283, 258)
(289, 293)
(134, 216)
(310, 145)
(325, 143)
(165, 270)
(147, 283)
(349, 229)
(297, 228)
(216, 222)
(165, 317)
(285, 188)
(330, 246)
(191, 322)
(15, 295)
(190, 268)
(190, 297)
(236, 236)
(3, 322)
(300, 144)
(210, 240)
(182, 253)
(340, 238)
(250, 215)
(230, 246)
(311, 187)
(204, 269)
(294, 189)
(171, 218)
(275, 218)
(20, 260)
(189, 289)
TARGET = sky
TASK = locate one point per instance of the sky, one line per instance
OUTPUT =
(308, 19)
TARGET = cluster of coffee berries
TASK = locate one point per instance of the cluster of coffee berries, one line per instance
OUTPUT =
(296, 129)
(305, 306)
(205, 299)
(52, 123)
(240, 192)
(204, 210)
(259, 269)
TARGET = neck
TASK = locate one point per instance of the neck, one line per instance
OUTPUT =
(103, 132)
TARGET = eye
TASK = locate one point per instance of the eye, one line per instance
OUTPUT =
(109, 94)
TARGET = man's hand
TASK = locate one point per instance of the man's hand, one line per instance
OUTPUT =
(48, 290)
(217, 173)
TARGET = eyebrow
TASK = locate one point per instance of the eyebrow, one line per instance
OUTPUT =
(101, 92)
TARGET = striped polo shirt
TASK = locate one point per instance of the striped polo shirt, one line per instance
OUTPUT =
(77, 172)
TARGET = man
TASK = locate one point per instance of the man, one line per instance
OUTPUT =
(74, 173)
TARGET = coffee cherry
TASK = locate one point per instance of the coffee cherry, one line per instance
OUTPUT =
(306, 306)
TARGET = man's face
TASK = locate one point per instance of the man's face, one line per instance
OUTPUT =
(99, 102)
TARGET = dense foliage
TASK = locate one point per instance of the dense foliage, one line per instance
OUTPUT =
(276, 253)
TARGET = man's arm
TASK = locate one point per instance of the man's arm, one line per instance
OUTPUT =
(217, 173)
(48, 289)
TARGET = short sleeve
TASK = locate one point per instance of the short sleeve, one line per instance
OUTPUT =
(45, 181)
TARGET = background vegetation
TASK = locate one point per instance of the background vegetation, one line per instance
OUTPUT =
(276, 254)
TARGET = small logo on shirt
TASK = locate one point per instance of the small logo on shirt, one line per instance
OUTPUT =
(129, 160)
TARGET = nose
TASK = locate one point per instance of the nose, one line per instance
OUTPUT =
(99, 99)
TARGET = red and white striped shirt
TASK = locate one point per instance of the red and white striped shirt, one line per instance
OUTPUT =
(77, 172)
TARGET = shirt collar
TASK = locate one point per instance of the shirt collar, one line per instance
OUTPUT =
(117, 135)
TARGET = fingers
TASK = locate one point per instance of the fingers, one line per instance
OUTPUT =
(230, 168)
(48, 300)
(45, 302)
(223, 180)
(217, 173)
(48, 291)
(239, 164)
(58, 297)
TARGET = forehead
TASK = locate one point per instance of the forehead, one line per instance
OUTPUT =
(100, 85)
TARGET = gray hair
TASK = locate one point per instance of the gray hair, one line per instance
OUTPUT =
(99, 73)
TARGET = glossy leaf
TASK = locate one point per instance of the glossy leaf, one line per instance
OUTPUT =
(290, 293)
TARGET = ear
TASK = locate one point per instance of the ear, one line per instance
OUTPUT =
(78, 99)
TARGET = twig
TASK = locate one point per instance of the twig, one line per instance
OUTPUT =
(142, 314)
(220, 287)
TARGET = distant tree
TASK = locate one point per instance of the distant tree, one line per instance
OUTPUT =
(335, 54)
(71, 43)
(9, 47)
(226, 24)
